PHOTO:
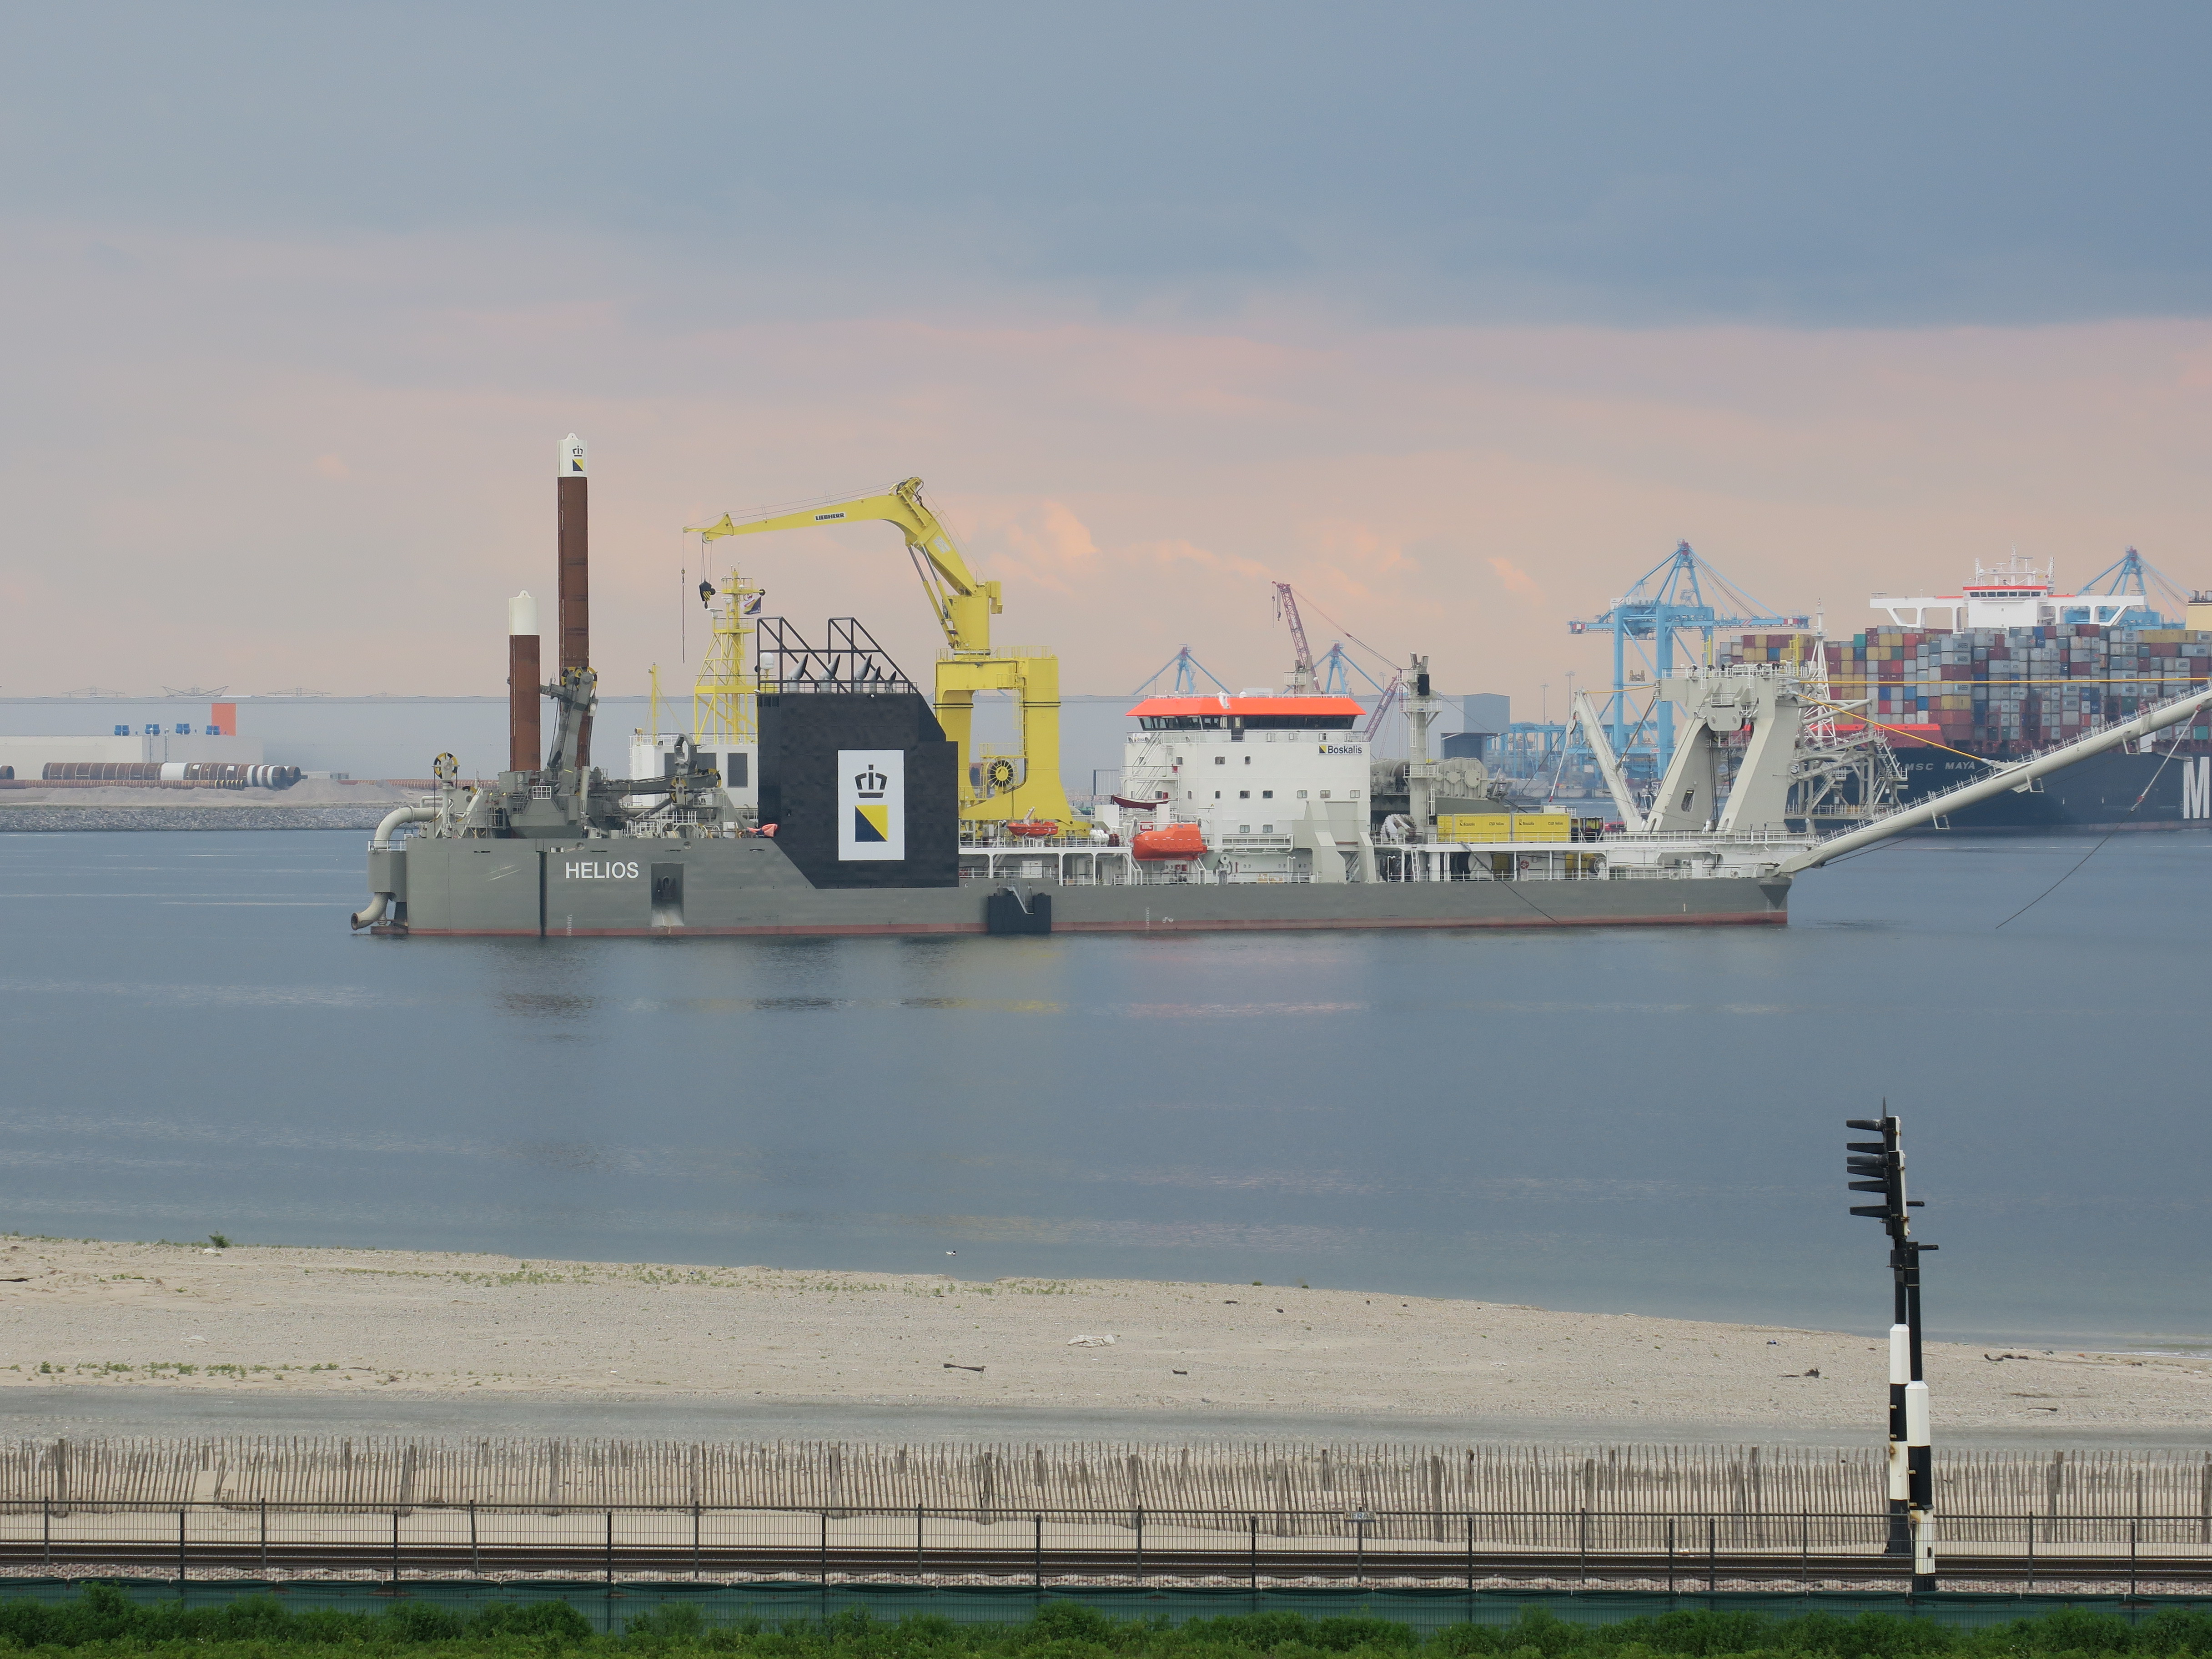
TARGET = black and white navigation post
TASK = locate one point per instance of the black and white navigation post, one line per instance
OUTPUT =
(1878, 1166)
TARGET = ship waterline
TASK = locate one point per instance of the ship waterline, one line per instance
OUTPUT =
(674, 887)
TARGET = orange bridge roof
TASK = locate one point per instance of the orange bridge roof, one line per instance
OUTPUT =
(1229, 704)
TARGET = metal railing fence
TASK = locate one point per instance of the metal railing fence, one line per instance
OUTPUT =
(1065, 1546)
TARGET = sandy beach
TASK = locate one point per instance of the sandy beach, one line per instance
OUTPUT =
(99, 1321)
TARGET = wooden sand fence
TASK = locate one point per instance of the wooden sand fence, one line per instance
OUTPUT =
(1524, 1492)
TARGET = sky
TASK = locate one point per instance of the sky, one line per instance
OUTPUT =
(1458, 318)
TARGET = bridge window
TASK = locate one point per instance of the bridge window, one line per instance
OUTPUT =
(1245, 722)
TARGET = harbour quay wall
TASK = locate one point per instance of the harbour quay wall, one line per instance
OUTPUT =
(395, 736)
(224, 816)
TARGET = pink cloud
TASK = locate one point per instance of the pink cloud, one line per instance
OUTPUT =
(1043, 540)
(1134, 485)
(1176, 554)
(1516, 579)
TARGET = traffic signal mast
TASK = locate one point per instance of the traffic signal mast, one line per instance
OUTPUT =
(1878, 1166)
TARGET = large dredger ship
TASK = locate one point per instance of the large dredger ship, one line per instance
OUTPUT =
(856, 805)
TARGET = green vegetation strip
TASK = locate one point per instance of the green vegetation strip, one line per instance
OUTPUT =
(431, 1621)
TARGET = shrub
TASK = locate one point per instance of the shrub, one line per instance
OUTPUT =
(672, 1622)
(554, 1623)
(2176, 1630)
(421, 1621)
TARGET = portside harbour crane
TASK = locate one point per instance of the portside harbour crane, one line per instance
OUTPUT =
(1332, 675)
(2133, 575)
(1028, 787)
(1186, 669)
(1301, 665)
(1668, 600)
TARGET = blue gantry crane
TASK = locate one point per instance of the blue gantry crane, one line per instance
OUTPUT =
(1682, 594)
(2133, 574)
(1186, 668)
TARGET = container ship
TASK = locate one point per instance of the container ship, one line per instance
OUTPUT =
(2023, 667)
(831, 796)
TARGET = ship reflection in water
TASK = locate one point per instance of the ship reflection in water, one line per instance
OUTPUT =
(1608, 1119)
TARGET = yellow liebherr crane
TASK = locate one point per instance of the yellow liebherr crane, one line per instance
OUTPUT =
(1024, 787)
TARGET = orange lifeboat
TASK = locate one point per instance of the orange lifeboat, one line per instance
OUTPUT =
(1177, 841)
(1040, 828)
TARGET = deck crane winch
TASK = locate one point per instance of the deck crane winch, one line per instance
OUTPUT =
(1028, 787)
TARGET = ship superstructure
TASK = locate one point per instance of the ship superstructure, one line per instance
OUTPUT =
(1275, 786)
(2013, 594)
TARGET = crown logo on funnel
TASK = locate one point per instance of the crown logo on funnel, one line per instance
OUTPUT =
(871, 784)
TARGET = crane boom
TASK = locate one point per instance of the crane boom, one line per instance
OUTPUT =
(1286, 607)
(964, 607)
(998, 788)
(2016, 776)
(1608, 764)
(1383, 705)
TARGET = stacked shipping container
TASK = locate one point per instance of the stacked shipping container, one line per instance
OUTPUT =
(1999, 691)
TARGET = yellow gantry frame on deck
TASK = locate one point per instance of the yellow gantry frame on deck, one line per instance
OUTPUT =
(964, 607)
(722, 695)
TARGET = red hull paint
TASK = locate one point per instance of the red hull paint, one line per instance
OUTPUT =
(1776, 919)
(394, 930)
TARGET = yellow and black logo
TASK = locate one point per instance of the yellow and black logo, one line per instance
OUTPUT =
(871, 814)
(871, 800)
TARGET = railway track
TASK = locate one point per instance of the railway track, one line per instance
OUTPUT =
(1686, 1570)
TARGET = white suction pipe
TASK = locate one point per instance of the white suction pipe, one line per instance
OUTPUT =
(381, 842)
(2011, 777)
(374, 912)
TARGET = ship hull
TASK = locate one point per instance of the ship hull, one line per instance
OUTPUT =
(2094, 796)
(640, 888)
(2097, 794)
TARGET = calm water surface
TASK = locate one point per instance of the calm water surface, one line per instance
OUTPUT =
(1604, 1121)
